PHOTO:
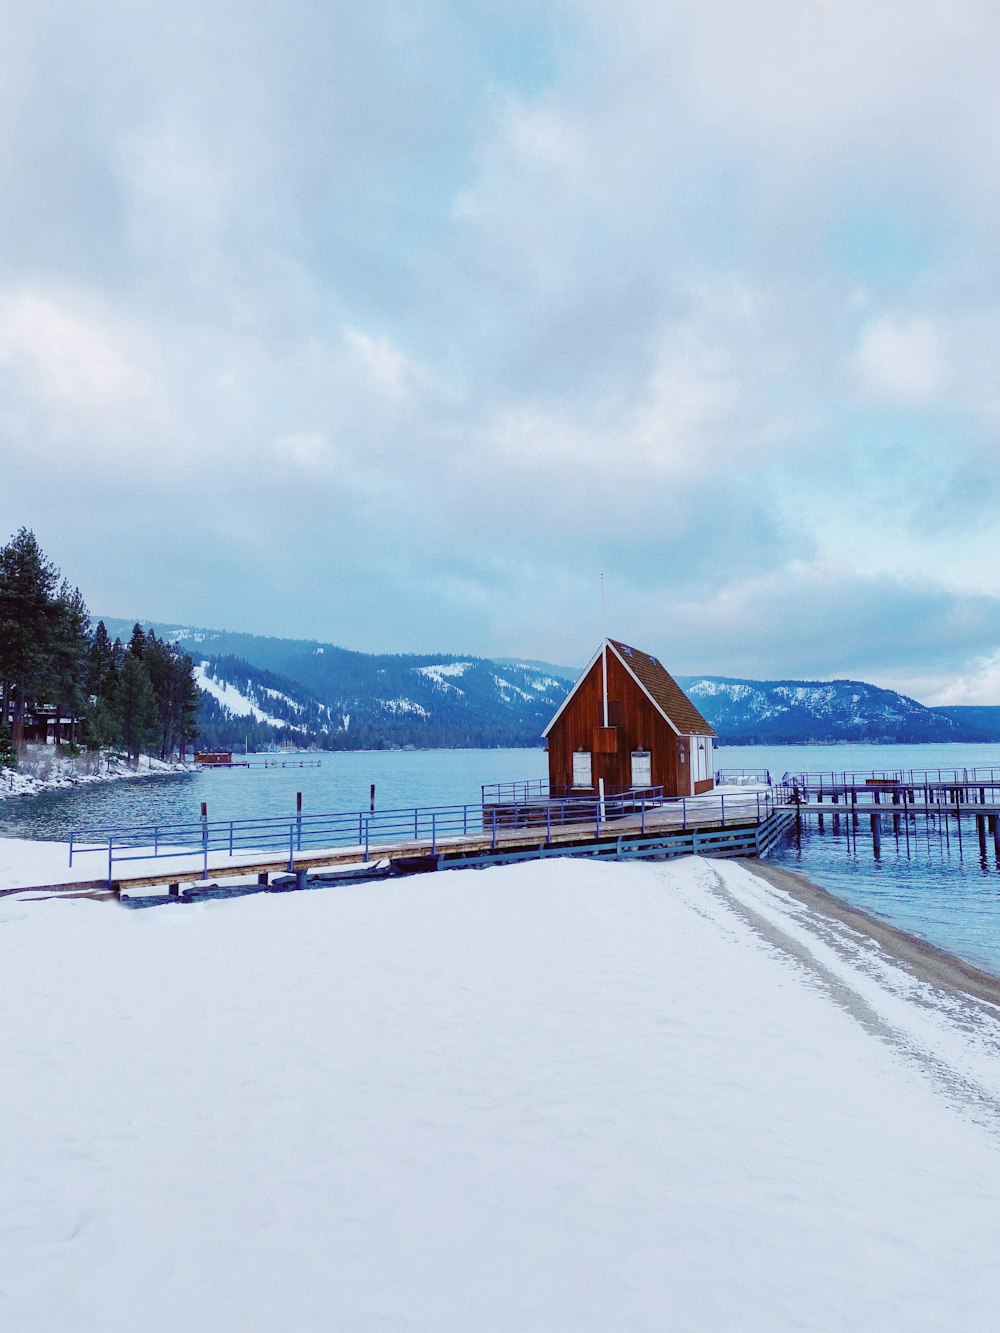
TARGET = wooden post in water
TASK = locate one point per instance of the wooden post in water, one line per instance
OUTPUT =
(371, 806)
(981, 830)
(876, 820)
(995, 829)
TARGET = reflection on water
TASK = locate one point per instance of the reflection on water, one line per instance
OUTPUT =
(928, 878)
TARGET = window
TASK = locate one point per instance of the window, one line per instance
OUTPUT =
(642, 768)
(582, 770)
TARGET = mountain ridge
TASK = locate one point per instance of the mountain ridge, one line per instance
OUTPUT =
(263, 689)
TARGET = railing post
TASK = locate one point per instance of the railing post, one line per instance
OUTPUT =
(367, 822)
(723, 812)
(291, 848)
(204, 847)
(494, 845)
(110, 842)
(230, 837)
(433, 832)
(548, 821)
(71, 848)
(684, 814)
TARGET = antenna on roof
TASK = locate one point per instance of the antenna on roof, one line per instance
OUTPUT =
(604, 653)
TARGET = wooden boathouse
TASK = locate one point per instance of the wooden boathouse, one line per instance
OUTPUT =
(626, 723)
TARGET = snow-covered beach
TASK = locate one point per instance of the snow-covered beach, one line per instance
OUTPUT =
(563, 1095)
(46, 769)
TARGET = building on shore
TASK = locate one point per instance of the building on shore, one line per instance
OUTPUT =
(627, 722)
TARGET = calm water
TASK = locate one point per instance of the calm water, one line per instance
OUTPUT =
(936, 887)
(402, 778)
(942, 890)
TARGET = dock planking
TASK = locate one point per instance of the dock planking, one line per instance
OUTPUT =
(671, 831)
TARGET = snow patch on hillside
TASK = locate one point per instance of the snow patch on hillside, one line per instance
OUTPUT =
(438, 673)
(404, 706)
(283, 698)
(506, 688)
(232, 699)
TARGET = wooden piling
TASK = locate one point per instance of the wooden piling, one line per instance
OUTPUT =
(876, 821)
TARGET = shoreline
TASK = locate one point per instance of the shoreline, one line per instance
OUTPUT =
(14, 783)
(928, 962)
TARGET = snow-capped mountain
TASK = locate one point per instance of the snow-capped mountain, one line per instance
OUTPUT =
(749, 712)
(345, 700)
(265, 689)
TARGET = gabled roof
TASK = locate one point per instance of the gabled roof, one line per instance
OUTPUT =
(656, 683)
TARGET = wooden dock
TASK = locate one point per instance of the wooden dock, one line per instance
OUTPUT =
(895, 802)
(671, 830)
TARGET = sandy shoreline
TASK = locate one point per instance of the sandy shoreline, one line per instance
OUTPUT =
(928, 962)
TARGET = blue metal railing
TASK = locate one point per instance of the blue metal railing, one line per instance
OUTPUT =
(368, 830)
(985, 776)
(741, 776)
(497, 793)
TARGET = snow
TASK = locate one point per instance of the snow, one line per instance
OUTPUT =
(404, 706)
(231, 698)
(44, 768)
(438, 673)
(283, 698)
(545, 683)
(564, 1095)
(504, 685)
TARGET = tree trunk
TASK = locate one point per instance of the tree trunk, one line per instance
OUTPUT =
(17, 730)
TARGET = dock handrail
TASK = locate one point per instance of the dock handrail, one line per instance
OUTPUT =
(365, 829)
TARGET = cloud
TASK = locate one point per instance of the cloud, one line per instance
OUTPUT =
(67, 358)
(469, 305)
(902, 360)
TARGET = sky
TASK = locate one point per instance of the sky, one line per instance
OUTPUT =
(398, 324)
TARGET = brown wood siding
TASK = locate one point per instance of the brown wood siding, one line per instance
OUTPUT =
(642, 727)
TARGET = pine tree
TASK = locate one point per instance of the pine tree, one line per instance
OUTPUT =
(70, 651)
(100, 662)
(136, 707)
(29, 613)
(8, 755)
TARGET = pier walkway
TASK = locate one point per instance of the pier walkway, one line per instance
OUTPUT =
(143, 860)
(896, 799)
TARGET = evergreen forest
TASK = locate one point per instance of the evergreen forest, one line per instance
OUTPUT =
(60, 673)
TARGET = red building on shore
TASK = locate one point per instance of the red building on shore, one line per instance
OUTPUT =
(628, 722)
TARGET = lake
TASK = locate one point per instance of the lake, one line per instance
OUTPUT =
(941, 890)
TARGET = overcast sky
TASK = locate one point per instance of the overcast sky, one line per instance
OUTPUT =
(396, 324)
